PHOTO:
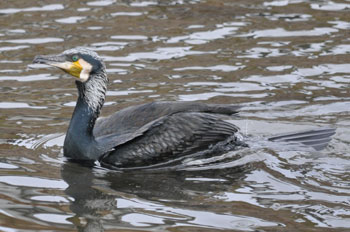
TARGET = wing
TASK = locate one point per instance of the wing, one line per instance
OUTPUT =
(132, 118)
(170, 137)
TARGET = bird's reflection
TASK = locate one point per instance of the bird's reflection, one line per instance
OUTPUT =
(99, 194)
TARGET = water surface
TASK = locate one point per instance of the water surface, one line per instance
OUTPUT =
(286, 62)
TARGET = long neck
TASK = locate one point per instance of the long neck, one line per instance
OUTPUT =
(80, 143)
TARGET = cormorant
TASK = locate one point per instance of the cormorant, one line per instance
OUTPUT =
(148, 134)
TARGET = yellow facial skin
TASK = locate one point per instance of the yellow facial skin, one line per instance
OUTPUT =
(75, 69)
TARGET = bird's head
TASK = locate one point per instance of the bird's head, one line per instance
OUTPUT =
(79, 62)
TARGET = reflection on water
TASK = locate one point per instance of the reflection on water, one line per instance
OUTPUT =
(286, 62)
(132, 201)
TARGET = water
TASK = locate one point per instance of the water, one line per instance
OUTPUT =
(286, 62)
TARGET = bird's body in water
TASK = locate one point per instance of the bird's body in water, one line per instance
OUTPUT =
(149, 134)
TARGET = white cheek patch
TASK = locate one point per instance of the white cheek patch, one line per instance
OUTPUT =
(86, 69)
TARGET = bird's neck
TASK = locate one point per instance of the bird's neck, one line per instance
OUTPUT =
(80, 143)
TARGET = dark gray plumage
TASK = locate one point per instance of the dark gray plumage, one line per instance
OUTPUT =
(148, 134)
(138, 135)
(170, 137)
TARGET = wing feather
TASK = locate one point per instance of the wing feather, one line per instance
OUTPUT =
(170, 137)
(133, 118)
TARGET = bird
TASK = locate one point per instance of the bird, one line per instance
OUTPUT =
(149, 134)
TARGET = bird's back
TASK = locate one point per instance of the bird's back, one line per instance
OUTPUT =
(132, 118)
(158, 132)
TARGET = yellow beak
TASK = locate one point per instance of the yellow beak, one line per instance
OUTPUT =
(79, 69)
(72, 68)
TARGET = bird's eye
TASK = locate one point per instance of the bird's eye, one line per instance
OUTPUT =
(75, 58)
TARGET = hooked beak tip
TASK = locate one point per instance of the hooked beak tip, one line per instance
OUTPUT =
(48, 59)
(39, 60)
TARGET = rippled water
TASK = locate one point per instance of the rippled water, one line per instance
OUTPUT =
(286, 61)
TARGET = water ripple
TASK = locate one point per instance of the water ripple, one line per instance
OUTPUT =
(330, 6)
(12, 48)
(101, 3)
(192, 217)
(18, 105)
(281, 32)
(51, 7)
(165, 53)
(38, 77)
(70, 20)
(34, 182)
(203, 37)
(129, 37)
(34, 40)
(222, 68)
(127, 14)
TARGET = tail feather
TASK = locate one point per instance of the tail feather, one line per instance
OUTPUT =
(317, 138)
